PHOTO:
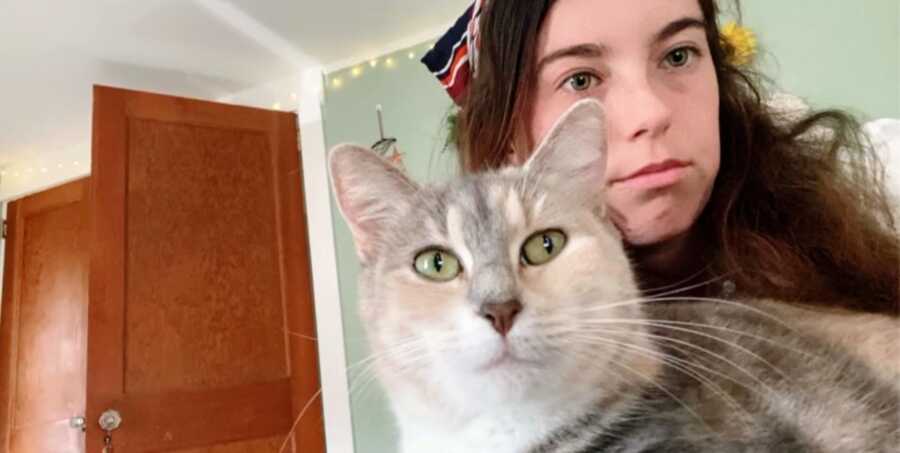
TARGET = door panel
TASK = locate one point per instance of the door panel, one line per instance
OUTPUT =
(43, 326)
(200, 272)
(205, 417)
(202, 268)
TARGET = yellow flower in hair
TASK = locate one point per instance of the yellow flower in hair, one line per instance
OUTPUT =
(740, 43)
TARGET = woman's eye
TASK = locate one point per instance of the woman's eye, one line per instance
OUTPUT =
(437, 265)
(679, 57)
(581, 81)
(542, 247)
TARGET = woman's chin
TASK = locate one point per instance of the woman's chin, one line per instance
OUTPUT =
(655, 232)
(655, 223)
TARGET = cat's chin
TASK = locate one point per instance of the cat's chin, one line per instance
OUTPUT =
(501, 375)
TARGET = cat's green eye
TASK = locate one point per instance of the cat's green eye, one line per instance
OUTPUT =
(542, 247)
(437, 264)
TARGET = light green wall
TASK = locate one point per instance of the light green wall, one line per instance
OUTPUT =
(414, 111)
(834, 53)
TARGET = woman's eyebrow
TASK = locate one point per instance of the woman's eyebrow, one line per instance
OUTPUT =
(591, 50)
(587, 50)
(677, 26)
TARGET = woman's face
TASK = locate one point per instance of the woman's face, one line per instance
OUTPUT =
(648, 62)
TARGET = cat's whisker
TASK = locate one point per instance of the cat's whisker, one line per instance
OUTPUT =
(690, 331)
(638, 301)
(398, 355)
(348, 339)
(730, 303)
(676, 288)
(358, 389)
(407, 351)
(663, 323)
(566, 322)
(682, 365)
(685, 361)
(658, 354)
(669, 359)
(389, 348)
(593, 355)
(300, 335)
(705, 350)
(661, 356)
(363, 381)
(365, 385)
(644, 300)
(297, 420)
(668, 392)
(367, 375)
(736, 332)
(369, 363)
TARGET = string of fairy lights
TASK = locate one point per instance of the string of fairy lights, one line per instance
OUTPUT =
(26, 171)
(339, 78)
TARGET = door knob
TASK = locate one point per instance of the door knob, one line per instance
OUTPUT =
(78, 422)
(110, 420)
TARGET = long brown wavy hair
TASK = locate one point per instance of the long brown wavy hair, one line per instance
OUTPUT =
(796, 213)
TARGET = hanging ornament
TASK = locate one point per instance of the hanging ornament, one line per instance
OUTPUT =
(386, 147)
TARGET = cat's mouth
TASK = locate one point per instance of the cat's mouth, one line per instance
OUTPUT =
(506, 358)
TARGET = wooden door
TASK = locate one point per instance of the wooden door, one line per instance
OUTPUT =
(200, 295)
(43, 321)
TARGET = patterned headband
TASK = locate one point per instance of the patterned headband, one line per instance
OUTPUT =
(454, 57)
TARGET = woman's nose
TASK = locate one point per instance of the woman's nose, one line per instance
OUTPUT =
(638, 110)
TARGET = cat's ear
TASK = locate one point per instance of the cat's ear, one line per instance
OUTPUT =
(574, 151)
(369, 192)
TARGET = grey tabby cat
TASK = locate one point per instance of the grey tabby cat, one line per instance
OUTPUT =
(504, 317)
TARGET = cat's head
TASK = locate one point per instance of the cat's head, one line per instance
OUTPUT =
(492, 288)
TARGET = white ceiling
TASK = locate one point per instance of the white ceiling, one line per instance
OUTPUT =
(52, 52)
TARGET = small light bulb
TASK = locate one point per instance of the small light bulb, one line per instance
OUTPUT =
(337, 82)
(389, 62)
(276, 106)
(373, 63)
(356, 72)
(411, 55)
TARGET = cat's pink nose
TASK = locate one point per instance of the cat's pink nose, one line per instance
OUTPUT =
(501, 315)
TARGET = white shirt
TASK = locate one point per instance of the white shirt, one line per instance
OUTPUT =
(885, 136)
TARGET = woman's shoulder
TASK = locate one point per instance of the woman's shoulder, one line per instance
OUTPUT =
(882, 133)
(885, 137)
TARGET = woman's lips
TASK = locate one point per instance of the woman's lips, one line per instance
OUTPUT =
(655, 176)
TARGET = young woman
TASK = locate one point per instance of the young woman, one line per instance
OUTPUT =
(705, 181)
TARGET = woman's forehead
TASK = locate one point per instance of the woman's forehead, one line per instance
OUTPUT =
(611, 24)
